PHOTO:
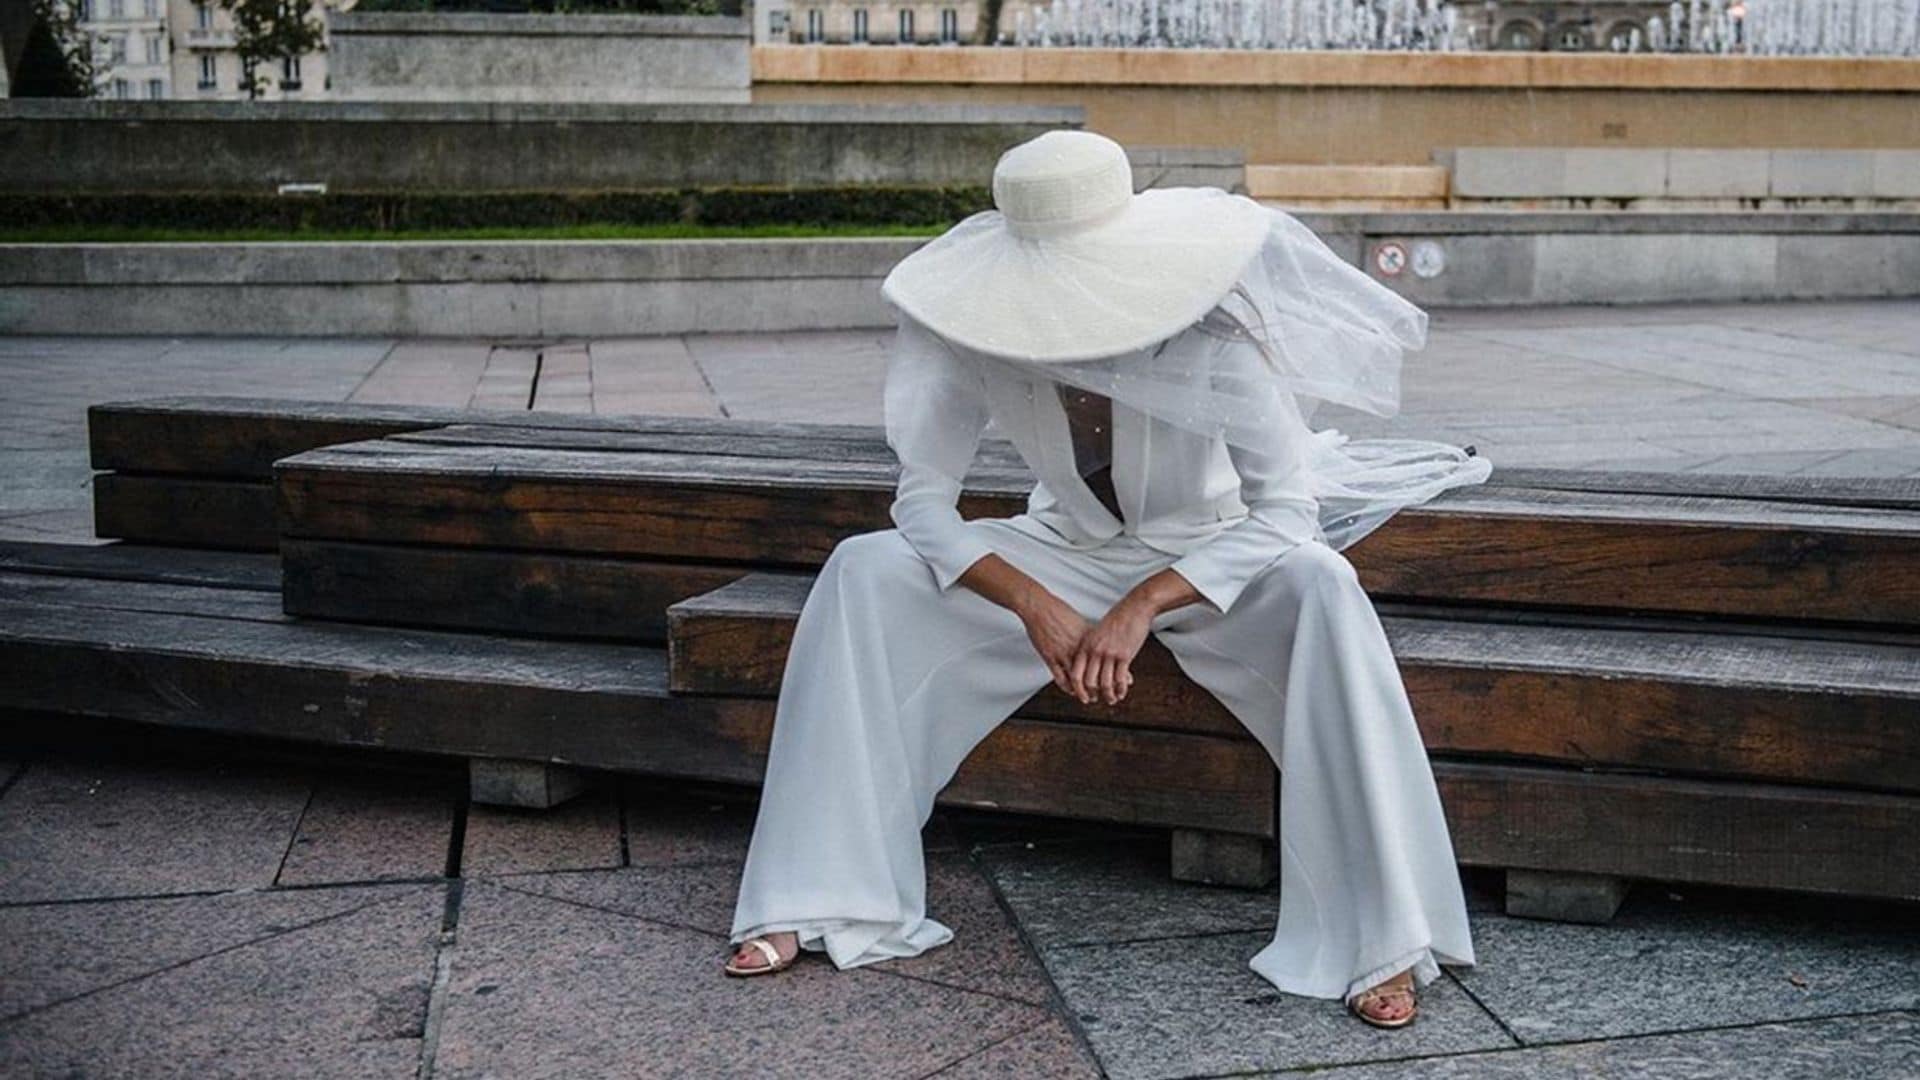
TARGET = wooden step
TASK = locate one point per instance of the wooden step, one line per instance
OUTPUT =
(197, 470)
(226, 658)
(561, 494)
(1840, 713)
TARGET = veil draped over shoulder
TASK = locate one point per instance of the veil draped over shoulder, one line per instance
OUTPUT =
(1299, 327)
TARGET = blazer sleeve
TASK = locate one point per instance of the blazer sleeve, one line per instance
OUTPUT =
(936, 408)
(1282, 513)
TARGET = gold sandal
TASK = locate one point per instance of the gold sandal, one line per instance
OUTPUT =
(773, 964)
(1373, 993)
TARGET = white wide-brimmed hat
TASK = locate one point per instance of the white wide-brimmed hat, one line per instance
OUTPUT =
(1072, 264)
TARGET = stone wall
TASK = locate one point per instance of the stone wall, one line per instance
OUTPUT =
(1387, 108)
(109, 146)
(546, 288)
(539, 58)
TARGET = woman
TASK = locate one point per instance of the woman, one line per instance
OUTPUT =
(1148, 356)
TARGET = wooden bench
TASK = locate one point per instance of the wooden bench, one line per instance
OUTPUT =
(1618, 675)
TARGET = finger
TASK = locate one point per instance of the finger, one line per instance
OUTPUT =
(1110, 680)
(1080, 676)
(1126, 679)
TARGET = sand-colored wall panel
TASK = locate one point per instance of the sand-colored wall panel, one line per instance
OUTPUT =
(1329, 124)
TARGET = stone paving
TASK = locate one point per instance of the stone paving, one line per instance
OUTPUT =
(1804, 388)
(182, 904)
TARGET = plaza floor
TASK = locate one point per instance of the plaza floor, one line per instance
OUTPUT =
(179, 904)
(1810, 389)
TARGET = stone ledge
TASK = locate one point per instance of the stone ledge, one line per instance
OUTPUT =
(451, 23)
(66, 110)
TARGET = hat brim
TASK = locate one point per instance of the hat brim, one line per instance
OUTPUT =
(1121, 285)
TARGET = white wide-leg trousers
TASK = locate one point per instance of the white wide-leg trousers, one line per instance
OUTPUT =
(890, 683)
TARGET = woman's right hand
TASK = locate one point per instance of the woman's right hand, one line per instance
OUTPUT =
(1055, 630)
(1052, 625)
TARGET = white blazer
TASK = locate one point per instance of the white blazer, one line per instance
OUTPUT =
(1225, 512)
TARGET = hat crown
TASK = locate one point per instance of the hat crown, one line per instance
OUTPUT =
(1061, 181)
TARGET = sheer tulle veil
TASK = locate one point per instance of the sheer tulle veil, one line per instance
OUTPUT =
(1299, 327)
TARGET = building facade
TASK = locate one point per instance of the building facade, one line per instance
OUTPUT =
(186, 49)
(855, 22)
(206, 65)
(130, 48)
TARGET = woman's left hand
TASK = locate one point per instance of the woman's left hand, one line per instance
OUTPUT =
(1102, 667)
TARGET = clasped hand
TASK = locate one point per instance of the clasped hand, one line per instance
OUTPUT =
(1090, 661)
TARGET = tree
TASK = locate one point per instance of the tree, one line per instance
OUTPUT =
(56, 60)
(268, 30)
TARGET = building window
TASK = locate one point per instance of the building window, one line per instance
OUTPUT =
(209, 74)
(949, 25)
(116, 9)
(121, 89)
(117, 49)
(152, 8)
(816, 25)
(154, 49)
(85, 10)
(906, 26)
(202, 17)
(156, 89)
(860, 24)
(289, 73)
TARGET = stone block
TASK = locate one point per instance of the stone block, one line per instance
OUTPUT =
(1821, 174)
(1717, 174)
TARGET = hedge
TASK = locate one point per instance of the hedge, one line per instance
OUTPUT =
(409, 211)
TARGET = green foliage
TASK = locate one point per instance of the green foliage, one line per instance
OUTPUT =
(390, 212)
(270, 30)
(56, 60)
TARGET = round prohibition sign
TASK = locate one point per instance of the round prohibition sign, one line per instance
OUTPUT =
(1390, 258)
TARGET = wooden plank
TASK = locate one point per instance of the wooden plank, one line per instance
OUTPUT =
(144, 562)
(1889, 492)
(185, 511)
(1507, 546)
(241, 437)
(734, 641)
(1772, 836)
(527, 593)
(1621, 695)
(809, 447)
(581, 704)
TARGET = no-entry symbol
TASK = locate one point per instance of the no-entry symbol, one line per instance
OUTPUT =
(1390, 258)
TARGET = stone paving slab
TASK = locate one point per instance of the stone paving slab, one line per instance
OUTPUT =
(77, 829)
(345, 995)
(1695, 957)
(55, 952)
(369, 830)
(1882, 1045)
(542, 987)
(582, 833)
(1190, 1006)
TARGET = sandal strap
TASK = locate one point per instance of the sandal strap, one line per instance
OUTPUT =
(767, 950)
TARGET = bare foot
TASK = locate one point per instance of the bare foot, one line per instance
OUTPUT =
(786, 943)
